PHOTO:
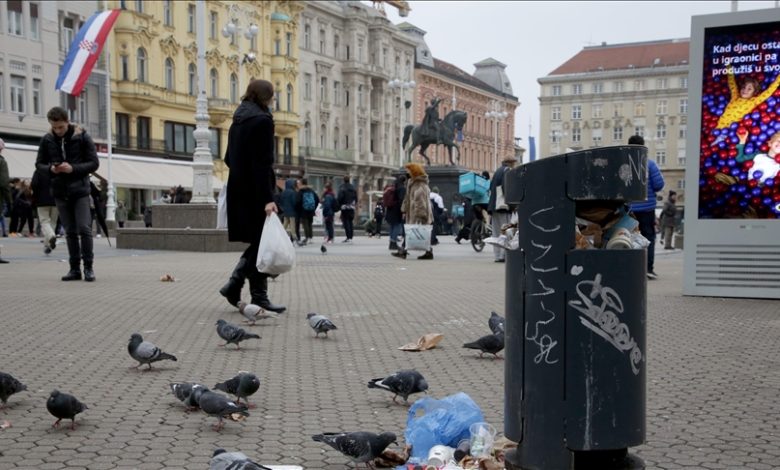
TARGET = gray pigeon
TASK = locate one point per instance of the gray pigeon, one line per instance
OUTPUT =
(233, 334)
(320, 324)
(145, 352)
(323, 249)
(491, 344)
(403, 382)
(224, 460)
(242, 385)
(496, 323)
(64, 406)
(253, 312)
(361, 447)
(188, 393)
(8, 386)
(215, 404)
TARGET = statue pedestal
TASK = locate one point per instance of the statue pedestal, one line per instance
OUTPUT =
(445, 177)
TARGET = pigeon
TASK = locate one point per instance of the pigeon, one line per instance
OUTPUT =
(496, 323)
(215, 404)
(64, 406)
(320, 324)
(253, 312)
(242, 385)
(224, 460)
(9, 386)
(323, 249)
(403, 382)
(188, 393)
(491, 344)
(361, 447)
(232, 333)
(145, 352)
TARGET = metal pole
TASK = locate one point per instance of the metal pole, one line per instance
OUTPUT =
(495, 143)
(110, 194)
(202, 165)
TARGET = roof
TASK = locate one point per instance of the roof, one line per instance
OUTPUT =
(663, 53)
(457, 73)
(489, 62)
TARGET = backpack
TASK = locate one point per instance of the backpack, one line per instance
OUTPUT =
(389, 197)
(308, 201)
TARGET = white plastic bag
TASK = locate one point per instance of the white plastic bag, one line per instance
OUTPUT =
(276, 254)
(418, 237)
(222, 207)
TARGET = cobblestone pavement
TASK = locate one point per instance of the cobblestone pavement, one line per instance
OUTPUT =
(712, 362)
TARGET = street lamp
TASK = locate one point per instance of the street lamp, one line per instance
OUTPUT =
(496, 114)
(401, 85)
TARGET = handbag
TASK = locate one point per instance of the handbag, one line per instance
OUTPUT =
(418, 237)
(222, 218)
(501, 204)
(276, 254)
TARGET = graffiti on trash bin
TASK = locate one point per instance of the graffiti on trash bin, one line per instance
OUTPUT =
(601, 307)
(543, 341)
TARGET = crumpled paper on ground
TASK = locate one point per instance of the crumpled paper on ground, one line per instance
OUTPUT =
(391, 458)
(425, 343)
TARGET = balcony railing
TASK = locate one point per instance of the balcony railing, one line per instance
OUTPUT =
(345, 155)
(148, 147)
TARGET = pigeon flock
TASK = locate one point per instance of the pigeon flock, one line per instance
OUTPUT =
(360, 447)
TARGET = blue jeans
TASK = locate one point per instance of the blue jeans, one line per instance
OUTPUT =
(329, 228)
(396, 230)
(77, 220)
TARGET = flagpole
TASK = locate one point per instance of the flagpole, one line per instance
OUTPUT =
(111, 203)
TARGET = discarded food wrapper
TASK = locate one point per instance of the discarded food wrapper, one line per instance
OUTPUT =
(167, 278)
(425, 342)
(391, 458)
(237, 417)
(5, 424)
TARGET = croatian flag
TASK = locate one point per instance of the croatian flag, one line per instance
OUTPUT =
(84, 51)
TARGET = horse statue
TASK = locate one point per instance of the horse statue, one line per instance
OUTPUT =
(445, 135)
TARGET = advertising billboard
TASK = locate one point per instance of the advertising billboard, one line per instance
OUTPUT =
(739, 141)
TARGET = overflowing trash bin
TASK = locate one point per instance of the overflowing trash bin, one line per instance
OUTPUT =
(575, 312)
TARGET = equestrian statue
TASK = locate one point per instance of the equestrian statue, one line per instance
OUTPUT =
(434, 131)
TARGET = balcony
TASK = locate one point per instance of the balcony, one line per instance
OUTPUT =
(375, 115)
(286, 122)
(220, 110)
(148, 148)
(317, 153)
(136, 96)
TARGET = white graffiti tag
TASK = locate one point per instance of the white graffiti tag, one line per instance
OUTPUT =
(601, 308)
(545, 342)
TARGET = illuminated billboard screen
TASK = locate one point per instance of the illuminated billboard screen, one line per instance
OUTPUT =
(739, 160)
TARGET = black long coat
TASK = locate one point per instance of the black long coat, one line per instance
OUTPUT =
(250, 157)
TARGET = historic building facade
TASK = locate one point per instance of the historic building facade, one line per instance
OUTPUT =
(607, 93)
(351, 119)
(485, 140)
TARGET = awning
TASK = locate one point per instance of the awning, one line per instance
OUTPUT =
(127, 171)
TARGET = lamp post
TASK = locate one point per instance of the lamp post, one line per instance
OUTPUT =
(496, 113)
(235, 12)
(202, 165)
(401, 85)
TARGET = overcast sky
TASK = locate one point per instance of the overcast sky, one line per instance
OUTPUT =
(534, 38)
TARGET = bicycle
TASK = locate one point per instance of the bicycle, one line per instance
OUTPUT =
(479, 232)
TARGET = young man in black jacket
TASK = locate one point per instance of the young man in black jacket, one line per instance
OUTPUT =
(69, 154)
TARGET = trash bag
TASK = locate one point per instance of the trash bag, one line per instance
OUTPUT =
(444, 422)
(276, 254)
(222, 208)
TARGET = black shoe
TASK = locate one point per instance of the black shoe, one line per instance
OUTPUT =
(89, 274)
(232, 289)
(427, 255)
(652, 275)
(3, 261)
(399, 254)
(73, 275)
(457, 240)
(258, 287)
(53, 242)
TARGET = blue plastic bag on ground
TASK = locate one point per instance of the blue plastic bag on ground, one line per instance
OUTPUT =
(444, 422)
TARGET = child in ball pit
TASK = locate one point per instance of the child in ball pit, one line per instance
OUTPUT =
(744, 99)
(765, 166)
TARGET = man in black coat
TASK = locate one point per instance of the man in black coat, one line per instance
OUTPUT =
(69, 154)
(347, 199)
(250, 189)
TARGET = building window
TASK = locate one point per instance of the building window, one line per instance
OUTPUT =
(683, 132)
(214, 142)
(139, 6)
(122, 130)
(360, 97)
(179, 138)
(360, 140)
(639, 109)
(307, 37)
(307, 134)
(277, 46)
(346, 141)
(346, 97)
(640, 131)
(68, 32)
(213, 19)
(576, 111)
(684, 83)
(192, 79)
(190, 18)
(639, 85)
(596, 111)
(683, 106)
(661, 84)
(359, 57)
(124, 65)
(660, 131)
(596, 139)
(681, 157)
(143, 124)
(324, 89)
(307, 86)
(617, 110)
(336, 46)
(169, 82)
(322, 41)
(347, 51)
(214, 79)
(661, 107)
(233, 88)
(555, 137)
(323, 136)
(141, 64)
(34, 22)
(337, 93)
(335, 138)
(18, 93)
(289, 40)
(598, 88)
(556, 113)
(660, 157)
(617, 133)
(289, 97)
(576, 134)
(168, 12)
(617, 87)
(15, 23)
(287, 151)
(277, 98)
(36, 97)
(2, 91)
(681, 184)
(576, 89)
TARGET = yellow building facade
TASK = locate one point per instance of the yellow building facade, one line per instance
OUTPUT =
(154, 74)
